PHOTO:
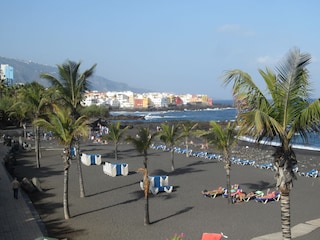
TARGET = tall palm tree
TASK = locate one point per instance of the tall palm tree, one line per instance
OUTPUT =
(283, 111)
(71, 85)
(115, 134)
(66, 129)
(223, 139)
(142, 143)
(32, 98)
(68, 90)
(188, 129)
(169, 134)
(6, 102)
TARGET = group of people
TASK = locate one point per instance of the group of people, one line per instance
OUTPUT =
(236, 193)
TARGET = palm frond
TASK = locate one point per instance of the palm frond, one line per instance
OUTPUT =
(244, 88)
(143, 140)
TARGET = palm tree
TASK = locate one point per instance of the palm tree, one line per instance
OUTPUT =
(169, 134)
(68, 90)
(282, 112)
(71, 85)
(115, 134)
(142, 143)
(66, 129)
(188, 130)
(32, 99)
(6, 102)
(223, 139)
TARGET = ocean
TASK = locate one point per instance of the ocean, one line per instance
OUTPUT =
(217, 114)
(205, 115)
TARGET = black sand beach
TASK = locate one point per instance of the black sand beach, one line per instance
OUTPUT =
(114, 206)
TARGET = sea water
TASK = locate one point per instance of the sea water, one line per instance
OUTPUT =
(204, 115)
(216, 114)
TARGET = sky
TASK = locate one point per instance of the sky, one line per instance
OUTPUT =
(177, 46)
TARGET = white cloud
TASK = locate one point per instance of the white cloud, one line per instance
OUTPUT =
(264, 59)
(229, 28)
(267, 60)
(235, 28)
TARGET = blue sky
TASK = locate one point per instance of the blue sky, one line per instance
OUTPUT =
(178, 46)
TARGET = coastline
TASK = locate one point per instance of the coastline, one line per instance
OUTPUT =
(174, 108)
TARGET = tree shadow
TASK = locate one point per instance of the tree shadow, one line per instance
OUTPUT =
(138, 195)
(59, 229)
(184, 170)
(261, 185)
(112, 189)
(187, 209)
(198, 163)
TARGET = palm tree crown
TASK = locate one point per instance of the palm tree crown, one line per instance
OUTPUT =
(188, 129)
(223, 139)
(169, 134)
(66, 129)
(115, 134)
(142, 142)
(71, 84)
(284, 110)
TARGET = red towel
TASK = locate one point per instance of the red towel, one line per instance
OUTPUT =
(211, 236)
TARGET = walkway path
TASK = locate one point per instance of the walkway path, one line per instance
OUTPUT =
(296, 231)
(18, 218)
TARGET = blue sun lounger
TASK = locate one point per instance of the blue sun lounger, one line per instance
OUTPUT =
(312, 173)
(273, 196)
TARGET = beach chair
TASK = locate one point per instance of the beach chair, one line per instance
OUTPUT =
(91, 159)
(213, 236)
(213, 193)
(235, 160)
(273, 196)
(211, 156)
(73, 151)
(115, 169)
(265, 166)
(312, 173)
(252, 195)
(158, 184)
(109, 169)
(295, 169)
(247, 162)
(235, 189)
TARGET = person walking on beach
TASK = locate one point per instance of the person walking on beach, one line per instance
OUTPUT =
(15, 187)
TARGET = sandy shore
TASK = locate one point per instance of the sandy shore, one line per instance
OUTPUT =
(114, 206)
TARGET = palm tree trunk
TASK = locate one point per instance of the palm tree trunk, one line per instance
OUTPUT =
(146, 184)
(145, 161)
(146, 208)
(285, 216)
(65, 194)
(116, 151)
(81, 185)
(37, 146)
(172, 159)
(187, 147)
(66, 157)
(228, 183)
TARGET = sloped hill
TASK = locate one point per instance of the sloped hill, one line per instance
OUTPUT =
(28, 71)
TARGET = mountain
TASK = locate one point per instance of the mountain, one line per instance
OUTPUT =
(27, 71)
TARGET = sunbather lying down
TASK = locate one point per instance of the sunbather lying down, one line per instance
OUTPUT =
(213, 193)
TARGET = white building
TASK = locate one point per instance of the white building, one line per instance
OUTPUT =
(6, 74)
(158, 100)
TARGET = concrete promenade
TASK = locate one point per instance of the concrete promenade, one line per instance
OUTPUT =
(18, 218)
